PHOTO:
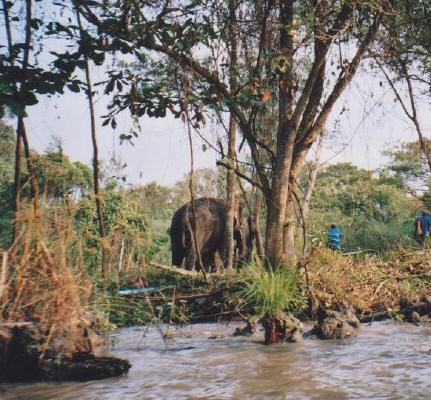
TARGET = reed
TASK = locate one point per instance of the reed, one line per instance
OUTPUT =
(43, 284)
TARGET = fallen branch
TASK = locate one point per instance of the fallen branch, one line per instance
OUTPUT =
(176, 270)
(184, 272)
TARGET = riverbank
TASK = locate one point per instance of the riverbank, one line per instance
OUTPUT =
(377, 288)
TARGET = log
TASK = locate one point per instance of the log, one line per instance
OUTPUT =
(184, 272)
(176, 270)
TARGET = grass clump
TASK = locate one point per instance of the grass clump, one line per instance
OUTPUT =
(270, 292)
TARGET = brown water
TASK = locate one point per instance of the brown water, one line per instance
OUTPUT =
(385, 361)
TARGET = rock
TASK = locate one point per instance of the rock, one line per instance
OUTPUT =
(84, 367)
(348, 314)
(247, 330)
(23, 357)
(294, 329)
(415, 317)
(333, 328)
(287, 329)
(216, 336)
(333, 324)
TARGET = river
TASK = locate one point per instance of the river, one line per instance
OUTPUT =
(387, 360)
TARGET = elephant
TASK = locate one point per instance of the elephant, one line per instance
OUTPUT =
(209, 225)
(244, 238)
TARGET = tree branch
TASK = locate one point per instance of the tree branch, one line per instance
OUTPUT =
(225, 164)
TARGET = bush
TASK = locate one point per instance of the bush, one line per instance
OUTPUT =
(272, 293)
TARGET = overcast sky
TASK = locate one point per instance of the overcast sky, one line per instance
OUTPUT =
(372, 122)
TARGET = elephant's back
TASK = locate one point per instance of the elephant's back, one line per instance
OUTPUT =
(209, 217)
(202, 206)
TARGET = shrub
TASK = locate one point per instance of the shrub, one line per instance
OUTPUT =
(271, 292)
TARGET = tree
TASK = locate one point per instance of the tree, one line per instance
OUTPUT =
(283, 33)
(22, 79)
(403, 58)
(409, 166)
(96, 173)
(230, 181)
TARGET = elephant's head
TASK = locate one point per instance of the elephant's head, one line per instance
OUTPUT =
(245, 233)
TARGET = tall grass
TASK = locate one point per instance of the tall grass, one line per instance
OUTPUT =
(272, 293)
(42, 284)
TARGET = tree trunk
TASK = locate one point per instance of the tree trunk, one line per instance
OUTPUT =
(34, 184)
(230, 196)
(230, 181)
(260, 245)
(286, 137)
(97, 193)
(312, 180)
(18, 146)
(19, 94)
(17, 181)
(289, 234)
(276, 210)
(275, 330)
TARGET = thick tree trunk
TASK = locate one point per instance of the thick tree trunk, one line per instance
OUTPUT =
(276, 208)
(286, 137)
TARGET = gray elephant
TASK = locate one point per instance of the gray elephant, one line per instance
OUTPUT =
(209, 224)
(244, 238)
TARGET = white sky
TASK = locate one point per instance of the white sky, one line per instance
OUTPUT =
(161, 153)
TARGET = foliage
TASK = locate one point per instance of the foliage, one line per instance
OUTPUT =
(126, 225)
(7, 145)
(409, 165)
(372, 211)
(59, 177)
(271, 292)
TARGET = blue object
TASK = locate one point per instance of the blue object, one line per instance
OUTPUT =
(425, 224)
(125, 292)
(422, 227)
(335, 238)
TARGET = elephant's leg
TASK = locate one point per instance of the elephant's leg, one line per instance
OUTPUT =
(178, 254)
(190, 262)
(218, 262)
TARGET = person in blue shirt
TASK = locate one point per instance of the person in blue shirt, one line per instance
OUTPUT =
(422, 228)
(335, 238)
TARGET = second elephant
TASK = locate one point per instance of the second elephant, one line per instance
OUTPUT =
(209, 225)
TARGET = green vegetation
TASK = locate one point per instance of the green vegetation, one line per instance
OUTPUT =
(373, 208)
(271, 293)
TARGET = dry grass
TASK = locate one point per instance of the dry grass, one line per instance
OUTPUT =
(38, 284)
(369, 285)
